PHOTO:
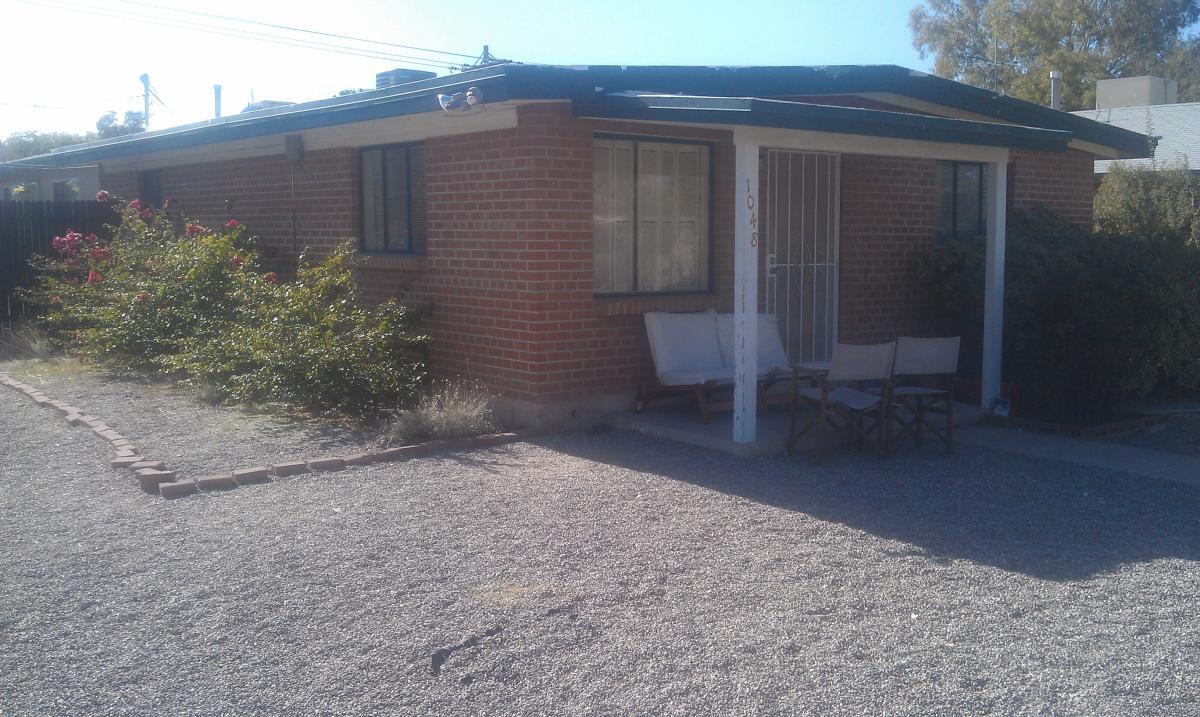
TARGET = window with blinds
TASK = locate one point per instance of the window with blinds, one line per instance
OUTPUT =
(959, 212)
(393, 199)
(650, 219)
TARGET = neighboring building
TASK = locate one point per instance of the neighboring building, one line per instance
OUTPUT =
(1148, 105)
(540, 211)
(45, 183)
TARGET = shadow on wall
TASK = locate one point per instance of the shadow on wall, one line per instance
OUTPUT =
(1046, 520)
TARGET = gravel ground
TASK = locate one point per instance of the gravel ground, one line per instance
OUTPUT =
(587, 573)
(1178, 433)
(167, 423)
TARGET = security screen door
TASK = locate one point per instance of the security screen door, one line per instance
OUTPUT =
(802, 250)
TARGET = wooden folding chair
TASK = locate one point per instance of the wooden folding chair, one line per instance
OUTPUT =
(924, 375)
(859, 412)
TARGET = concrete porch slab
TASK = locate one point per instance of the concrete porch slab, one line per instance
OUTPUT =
(683, 424)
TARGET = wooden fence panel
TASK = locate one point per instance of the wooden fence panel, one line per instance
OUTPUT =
(26, 229)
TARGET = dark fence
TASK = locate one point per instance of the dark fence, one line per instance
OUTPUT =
(26, 229)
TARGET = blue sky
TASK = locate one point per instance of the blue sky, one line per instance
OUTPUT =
(64, 76)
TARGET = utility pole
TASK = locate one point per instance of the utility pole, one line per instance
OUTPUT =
(145, 78)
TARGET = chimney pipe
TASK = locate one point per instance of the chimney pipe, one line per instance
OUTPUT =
(217, 101)
(1055, 90)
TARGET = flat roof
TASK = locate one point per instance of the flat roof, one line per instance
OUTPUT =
(602, 85)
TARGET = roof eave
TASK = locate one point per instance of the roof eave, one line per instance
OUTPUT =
(821, 118)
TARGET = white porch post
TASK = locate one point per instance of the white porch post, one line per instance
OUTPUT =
(745, 292)
(993, 299)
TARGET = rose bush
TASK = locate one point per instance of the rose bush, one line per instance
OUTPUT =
(194, 303)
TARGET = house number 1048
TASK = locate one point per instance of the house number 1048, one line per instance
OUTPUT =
(753, 214)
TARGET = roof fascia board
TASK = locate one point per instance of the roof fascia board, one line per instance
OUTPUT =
(392, 130)
(420, 98)
(776, 138)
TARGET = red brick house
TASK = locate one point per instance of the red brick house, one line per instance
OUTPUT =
(543, 214)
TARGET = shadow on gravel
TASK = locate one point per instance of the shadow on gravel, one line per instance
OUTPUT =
(1044, 520)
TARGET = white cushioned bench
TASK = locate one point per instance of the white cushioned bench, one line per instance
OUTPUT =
(694, 352)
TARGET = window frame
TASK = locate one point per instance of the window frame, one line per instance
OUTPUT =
(981, 198)
(150, 182)
(710, 213)
(408, 197)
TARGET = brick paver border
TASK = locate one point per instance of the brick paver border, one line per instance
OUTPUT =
(154, 477)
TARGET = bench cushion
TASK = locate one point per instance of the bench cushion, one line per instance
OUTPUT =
(683, 342)
(770, 348)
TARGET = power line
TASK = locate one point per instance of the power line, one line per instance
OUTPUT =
(238, 34)
(66, 5)
(297, 29)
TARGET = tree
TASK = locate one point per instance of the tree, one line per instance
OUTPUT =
(107, 126)
(1012, 45)
(19, 145)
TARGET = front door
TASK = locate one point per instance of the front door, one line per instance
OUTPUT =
(802, 250)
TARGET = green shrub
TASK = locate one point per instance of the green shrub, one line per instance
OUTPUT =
(192, 302)
(310, 343)
(1149, 203)
(1091, 319)
(445, 410)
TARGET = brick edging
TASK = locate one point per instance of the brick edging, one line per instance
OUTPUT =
(154, 476)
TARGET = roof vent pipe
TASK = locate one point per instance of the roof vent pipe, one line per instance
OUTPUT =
(217, 101)
(1055, 90)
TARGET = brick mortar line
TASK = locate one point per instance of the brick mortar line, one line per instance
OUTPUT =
(154, 477)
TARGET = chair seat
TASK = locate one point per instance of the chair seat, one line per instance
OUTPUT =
(849, 397)
(694, 376)
(918, 391)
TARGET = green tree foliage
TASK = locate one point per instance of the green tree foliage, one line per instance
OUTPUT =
(19, 145)
(108, 126)
(1161, 204)
(1012, 45)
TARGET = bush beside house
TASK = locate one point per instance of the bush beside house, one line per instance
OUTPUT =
(1092, 318)
(185, 300)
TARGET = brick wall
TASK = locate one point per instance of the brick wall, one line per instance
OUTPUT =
(258, 191)
(508, 269)
(887, 218)
(1061, 181)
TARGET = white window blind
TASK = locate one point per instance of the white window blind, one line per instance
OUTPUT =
(650, 223)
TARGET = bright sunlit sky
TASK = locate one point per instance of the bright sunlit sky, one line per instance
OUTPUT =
(63, 68)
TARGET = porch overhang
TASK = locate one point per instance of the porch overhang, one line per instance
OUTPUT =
(804, 116)
(758, 124)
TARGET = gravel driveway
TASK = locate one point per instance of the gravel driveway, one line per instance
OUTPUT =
(586, 573)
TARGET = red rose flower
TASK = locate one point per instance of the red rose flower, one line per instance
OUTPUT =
(272, 277)
(135, 205)
(100, 253)
(95, 277)
(147, 213)
(142, 297)
(90, 239)
(67, 244)
(232, 224)
(192, 230)
(236, 261)
(102, 196)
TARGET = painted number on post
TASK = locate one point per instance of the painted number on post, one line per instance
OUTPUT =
(753, 214)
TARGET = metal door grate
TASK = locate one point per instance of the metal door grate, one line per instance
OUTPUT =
(802, 250)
